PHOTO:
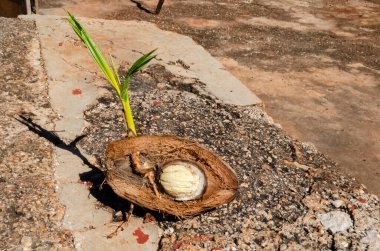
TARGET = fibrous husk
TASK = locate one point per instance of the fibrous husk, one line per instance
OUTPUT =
(221, 186)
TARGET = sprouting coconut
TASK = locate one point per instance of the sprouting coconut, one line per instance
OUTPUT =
(161, 173)
(189, 178)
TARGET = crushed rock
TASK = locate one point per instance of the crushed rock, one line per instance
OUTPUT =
(336, 221)
(284, 186)
(371, 240)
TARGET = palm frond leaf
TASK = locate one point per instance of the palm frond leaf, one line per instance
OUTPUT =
(111, 75)
(138, 65)
(141, 62)
(110, 70)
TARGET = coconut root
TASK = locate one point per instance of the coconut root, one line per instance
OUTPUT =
(150, 177)
(120, 227)
(147, 169)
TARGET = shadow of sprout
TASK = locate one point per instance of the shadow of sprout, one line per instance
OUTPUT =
(99, 189)
(55, 139)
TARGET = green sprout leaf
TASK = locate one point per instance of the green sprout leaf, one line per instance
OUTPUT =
(110, 72)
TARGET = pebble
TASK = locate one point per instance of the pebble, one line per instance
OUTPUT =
(336, 221)
(344, 244)
(338, 203)
(26, 242)
(161, 85)
(372, 239)
(117, 216)
(169, 230)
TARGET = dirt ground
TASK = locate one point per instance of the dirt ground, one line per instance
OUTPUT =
(315, 64)
(30, 212)
(290, 194)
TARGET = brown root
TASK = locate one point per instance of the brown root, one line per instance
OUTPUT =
(120, 227)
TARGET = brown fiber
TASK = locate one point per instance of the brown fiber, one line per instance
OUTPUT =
(222, 183)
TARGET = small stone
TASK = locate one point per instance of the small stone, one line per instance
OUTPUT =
(27, 242)
(169, 231)
(283, 247)
(338, 203)
(336, 221)
(314, 202)
(161, 85)
(117, 216)
(371, 240)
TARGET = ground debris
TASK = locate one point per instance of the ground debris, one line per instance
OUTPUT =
(279, 201)
(30, 214)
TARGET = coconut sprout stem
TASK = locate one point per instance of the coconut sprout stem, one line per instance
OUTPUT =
(110, 71)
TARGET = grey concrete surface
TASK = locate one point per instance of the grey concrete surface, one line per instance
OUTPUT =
(136, 236)
(180, 54)
(81, 211)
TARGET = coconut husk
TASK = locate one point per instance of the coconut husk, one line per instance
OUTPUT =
(221, 187)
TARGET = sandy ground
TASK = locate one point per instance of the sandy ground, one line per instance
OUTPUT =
(315, 64)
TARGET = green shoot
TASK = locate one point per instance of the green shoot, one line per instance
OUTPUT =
(110, 72)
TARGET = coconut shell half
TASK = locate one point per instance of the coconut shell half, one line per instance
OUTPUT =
(221, 180)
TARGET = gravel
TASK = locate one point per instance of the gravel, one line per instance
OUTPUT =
(284, 185)
(30, 214)
(336, 221)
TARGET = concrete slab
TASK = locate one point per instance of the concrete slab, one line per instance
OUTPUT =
(136, 236)
(126, 40)
(76, 95)
(81, 210)
(73, 80)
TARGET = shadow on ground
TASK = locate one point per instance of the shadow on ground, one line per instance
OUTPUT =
(99, 189)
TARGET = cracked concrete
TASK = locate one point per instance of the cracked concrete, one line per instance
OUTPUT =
(72, 89)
